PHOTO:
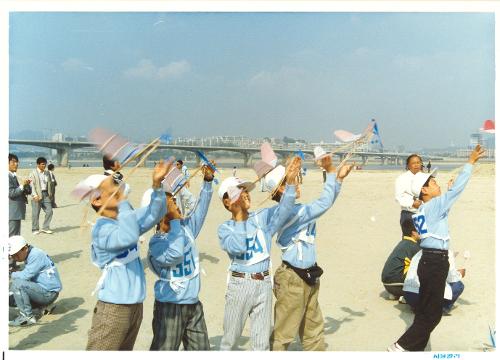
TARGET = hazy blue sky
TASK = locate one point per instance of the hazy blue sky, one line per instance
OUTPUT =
(428, 78)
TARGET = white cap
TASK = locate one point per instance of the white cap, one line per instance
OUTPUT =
(234, 182)
(274, 178)
(16, 243)
(86, 187)
(320, 153)
(419, 179)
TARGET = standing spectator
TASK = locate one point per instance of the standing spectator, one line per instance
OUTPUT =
(41, 187)
(429, 166)
(234, 171)
(409, 204)
(17, 197)
(17, 201)
(187, 199)
(54, 184)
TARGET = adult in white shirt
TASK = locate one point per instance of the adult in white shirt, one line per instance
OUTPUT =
(41, 192)
(404, 197)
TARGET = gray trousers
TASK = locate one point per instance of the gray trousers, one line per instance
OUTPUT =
(14, 227)
(44, 203)
(248, 298)
(176, 323)
(27, 293)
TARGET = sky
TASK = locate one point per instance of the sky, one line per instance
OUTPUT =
(428, 78)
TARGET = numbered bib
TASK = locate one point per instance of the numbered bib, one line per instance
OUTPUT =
(420, 223)
(256, 249)
(188, 268)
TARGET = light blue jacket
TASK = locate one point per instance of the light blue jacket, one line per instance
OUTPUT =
(169, 251)
(235, 237)
(112, 239)
(40, 269)
(304, 217)
(431, 219)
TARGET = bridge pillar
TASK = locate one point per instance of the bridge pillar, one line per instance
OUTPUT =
(246, 159)
(62, 156)
(382, 159)
(364, 159)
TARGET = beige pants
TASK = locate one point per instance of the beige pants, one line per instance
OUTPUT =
(114, 326)
(296, 311)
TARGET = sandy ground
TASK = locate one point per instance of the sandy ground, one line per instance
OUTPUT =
(354, 239)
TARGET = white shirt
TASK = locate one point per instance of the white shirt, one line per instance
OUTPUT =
(43, 179)
(403, 191)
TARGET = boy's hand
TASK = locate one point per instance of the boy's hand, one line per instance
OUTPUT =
(160, 171)
(327, 164)
(450, 183)
(208, 172)
(344, 171)
(476, 154)
(462, 272)
(292, 171)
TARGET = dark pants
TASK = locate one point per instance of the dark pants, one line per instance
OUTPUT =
(432, 272)
(176, 323)
(14, 227)
(396, 290)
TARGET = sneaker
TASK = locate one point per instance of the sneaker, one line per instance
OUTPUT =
(36, 232)
(48, 231)
(392, 297)
(395, 348)
(46, 310)
(23, 320)
(402, 300)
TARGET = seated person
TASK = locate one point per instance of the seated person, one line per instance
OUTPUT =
(38, 284)
(454, 285)
(398, 262)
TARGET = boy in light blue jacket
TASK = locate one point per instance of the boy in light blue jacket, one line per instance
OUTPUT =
(173, 257)
(296, 281)
(122, 287)
(37, 284)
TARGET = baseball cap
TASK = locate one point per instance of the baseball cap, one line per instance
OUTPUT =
(273, 179)
(419, 179)
(234, 182)
(16, 243)
(87, 187)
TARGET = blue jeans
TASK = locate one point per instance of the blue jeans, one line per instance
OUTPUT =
(457, 289)
(28, 293)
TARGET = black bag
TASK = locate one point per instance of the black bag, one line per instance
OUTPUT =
(310, 275)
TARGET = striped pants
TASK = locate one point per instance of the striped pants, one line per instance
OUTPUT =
(244, 298)
(176, 323)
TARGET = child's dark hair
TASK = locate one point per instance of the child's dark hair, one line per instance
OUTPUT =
(408, 159)
(107, 163)
(224, 197)
(408, 227)
(180, 162)
(41, 160)
(421, 195)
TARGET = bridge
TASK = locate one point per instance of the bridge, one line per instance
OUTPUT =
(63, 149)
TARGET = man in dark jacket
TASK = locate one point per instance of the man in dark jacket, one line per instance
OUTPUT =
(17, 197)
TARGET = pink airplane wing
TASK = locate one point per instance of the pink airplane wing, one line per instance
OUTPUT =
(268, 155)
(346, 136)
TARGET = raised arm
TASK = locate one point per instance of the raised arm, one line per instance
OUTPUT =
(197, 218)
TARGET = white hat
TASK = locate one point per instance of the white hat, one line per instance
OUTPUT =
(419, 179)
(86, 187)
(320, 153)
(273, 179)
(234, 182)
(16, 243)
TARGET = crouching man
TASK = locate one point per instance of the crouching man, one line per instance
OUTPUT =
(37, 285)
